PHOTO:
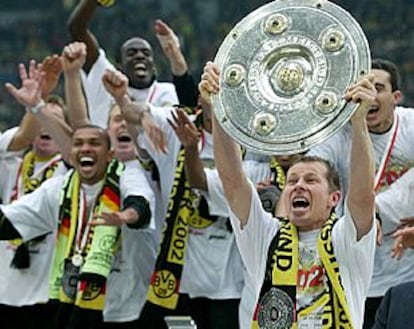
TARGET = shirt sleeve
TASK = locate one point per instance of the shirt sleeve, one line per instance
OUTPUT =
(134, 183)
(254, 238)
(36, 213)
(5, 139)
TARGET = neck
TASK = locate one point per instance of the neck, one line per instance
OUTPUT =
(42, 157)
(125, 155)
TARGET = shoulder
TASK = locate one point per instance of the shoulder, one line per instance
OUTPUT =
(165, 86)
(406, 116)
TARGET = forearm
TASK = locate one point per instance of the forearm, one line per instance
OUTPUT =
(29, 128)
(75, 100)
(178, 63)
(81, 17)
(56, 126)
(186, 89)
(194, 168)
(78, 24)
(361, 196)
(138, 212)
(228, 161)
(133, 112)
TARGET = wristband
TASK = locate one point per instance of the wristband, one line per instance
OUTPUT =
(37, 108)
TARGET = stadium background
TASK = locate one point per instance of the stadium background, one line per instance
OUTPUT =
(36, 28)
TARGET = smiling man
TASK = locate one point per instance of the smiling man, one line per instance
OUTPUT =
(303, 266)
(98, 189)
(136, 61)
(390, 130)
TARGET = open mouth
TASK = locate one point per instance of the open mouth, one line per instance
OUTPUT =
(124, 138)
(86, 162)
(300, 202)
(140, 68)
(45, 137)
(373, 110)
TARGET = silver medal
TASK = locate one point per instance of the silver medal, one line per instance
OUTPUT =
(77, 260)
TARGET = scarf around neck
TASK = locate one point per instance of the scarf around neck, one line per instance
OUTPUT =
(85, 285)
(277, 299)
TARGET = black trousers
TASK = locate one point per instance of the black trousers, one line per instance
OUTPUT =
(371, 306)
(214, 313)
(152, 316)
(27, 317)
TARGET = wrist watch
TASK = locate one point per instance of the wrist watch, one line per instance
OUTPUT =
(37, 108)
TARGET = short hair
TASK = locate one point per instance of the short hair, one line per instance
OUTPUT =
(332, 175)
(391, 68)
(101, 130)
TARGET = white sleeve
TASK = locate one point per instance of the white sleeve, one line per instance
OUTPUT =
(168, 95)
(98, 99)
(160, 116)
(36, 213)
(357, 255)
(5, 139)
(391, 211)
(254, 238)
(133, 182)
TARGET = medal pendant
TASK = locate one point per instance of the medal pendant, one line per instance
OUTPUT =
(77, 260)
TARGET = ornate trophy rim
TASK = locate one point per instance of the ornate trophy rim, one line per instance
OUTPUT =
(272, 80)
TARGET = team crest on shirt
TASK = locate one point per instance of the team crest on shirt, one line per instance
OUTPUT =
(276, 310)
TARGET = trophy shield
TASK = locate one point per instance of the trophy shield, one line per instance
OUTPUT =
(284, 69)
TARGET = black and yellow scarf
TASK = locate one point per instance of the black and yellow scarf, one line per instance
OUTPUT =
(184, 210)
(90, 282)
(279, 175)
(165, 282)
(277, 301)
(26, 183)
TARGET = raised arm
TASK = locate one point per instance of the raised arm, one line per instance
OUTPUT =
(73, 58)
(189, 136)
(361, 195)
(78, 25)
(135, 113)
(41, 113)
(29, 92)
(227, 153)
(182, 79)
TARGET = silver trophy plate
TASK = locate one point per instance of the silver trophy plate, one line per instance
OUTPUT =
(284, 69)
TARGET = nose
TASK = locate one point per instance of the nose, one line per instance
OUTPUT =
(85, 147)
(140, 53)
(123, 123)
(299, 185)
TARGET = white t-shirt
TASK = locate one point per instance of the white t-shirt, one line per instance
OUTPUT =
(257, 172)
(212, 265)
(25, 286)
(387, 271)
(100, 101)
(133, 264)
(355, 258)
(9, 165)
(393, 204)
(37, 213)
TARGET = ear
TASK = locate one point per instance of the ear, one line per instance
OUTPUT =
(397, 96)
(111, 153)
(334, 199)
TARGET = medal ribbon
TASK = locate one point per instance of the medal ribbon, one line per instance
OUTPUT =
(387, 153)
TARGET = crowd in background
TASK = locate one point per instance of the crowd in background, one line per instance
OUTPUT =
(35, 29)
